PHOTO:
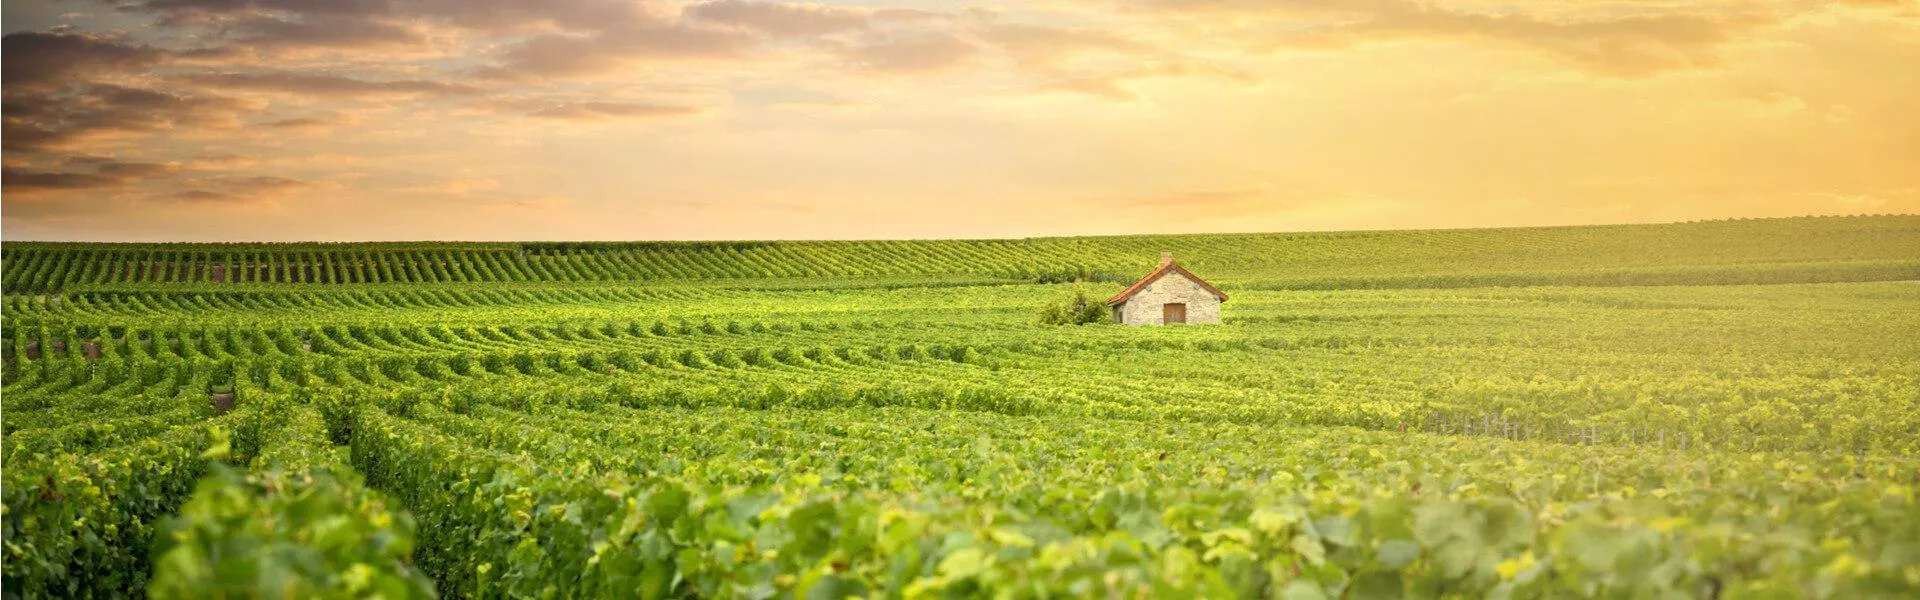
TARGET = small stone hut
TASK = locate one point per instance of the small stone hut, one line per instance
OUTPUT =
(1168, 295)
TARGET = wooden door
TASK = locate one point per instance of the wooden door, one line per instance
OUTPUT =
(1173, 313)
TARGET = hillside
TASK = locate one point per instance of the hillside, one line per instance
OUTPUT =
(1741, 251)
(1520, 416)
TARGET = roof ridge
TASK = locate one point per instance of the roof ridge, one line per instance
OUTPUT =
(1161, 271)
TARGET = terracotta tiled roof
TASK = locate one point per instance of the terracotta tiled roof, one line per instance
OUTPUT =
(1168, 267)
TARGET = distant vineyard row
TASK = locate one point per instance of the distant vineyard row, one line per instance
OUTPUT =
(1314, 366)
(1874, 248)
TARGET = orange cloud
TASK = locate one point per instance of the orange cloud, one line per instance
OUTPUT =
(1047, 47)
(39, 59)
(781, 19)
(1113, 85)
(594, 111)
(731, 118)
(912, 53)
(1633, 44)
(314, 84)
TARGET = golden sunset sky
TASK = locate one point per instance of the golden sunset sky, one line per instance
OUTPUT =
(742, 119)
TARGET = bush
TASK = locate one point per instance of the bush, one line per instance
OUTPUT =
(306, 535)
(1081, 309)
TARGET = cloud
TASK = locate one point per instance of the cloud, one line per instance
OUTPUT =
(1112, 85)
(525, 39)
(584, 108)
(1652, 40)
(84, 160)
(300, 124)
(499, 16)
(458, 186)
(137, 170)
(321, 85)
(43, 121)
(224, 160)
(107, 173)
(205, 196)
(54, 59)
(570, 55)
(249, 189)
(529, 92)
(1098, 87)
(273, 33)
(781, 19)
(595, 111)
(18, 181)
(254, 184)
(906, 15)
(1046, 46)
(1632, 45)
(912, 53)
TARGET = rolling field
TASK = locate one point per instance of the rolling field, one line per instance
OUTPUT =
(1720, 409)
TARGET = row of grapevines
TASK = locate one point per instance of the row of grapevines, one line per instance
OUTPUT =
(918, 503)
(43, 267)
(300, 523)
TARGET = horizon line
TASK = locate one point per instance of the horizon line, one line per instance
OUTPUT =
(979, 239)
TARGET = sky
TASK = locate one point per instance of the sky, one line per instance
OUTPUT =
(344, 120)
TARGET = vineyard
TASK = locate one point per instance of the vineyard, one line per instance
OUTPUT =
(1718, 410)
